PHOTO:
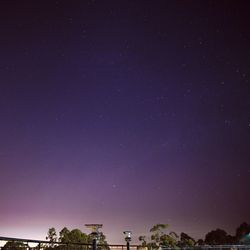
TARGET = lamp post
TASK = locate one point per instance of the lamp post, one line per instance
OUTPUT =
(127, 238)
(94, 234)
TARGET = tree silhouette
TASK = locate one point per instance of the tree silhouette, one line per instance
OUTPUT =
(216, 237)
(242, 231)
(51, 236)
(186, 240)
(14, 245)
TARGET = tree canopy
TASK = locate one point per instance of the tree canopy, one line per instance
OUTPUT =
(14, 245)
(73, 239)
(216, 237)
(242, 231)
(159, 237)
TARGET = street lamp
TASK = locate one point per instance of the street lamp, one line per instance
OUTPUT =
(94, 234)
(127, 237)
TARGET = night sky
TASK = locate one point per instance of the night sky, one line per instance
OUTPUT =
(126, 113)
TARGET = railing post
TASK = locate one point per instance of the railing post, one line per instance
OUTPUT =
(128, 247)
(94, 245)
(127, 238)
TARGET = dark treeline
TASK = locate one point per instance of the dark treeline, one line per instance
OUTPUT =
(68, 237)
(158, 237)
(66, 240)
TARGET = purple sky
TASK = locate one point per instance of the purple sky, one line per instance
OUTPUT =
(126, 113)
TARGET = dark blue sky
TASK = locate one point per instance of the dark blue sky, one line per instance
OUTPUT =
(126, 113)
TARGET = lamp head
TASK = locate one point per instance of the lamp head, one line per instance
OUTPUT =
(128, 235)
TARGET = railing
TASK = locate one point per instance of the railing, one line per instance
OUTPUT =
(30, 244)
(208, 247)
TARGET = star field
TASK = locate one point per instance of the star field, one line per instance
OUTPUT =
(124, 113)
